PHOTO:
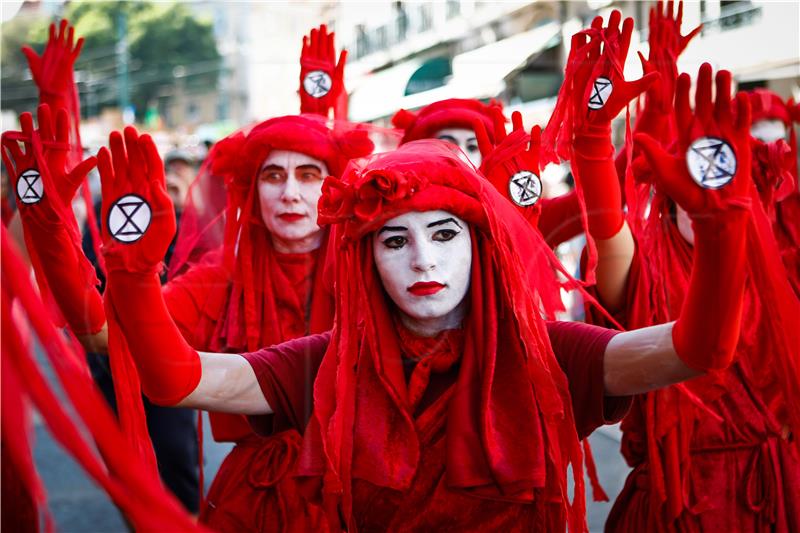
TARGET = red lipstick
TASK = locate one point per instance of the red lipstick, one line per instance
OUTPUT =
(291, 217)
(425, 288)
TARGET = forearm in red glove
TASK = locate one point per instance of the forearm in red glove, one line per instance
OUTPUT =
(706, 334)
(560, 220)
(132, 175)
(169, 369)
(44, 192)
(707, 331)
(593, 161)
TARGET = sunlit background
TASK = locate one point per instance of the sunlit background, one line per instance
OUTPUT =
(192, 72)
(205, 68)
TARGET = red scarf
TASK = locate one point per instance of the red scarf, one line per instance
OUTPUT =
(432, 355)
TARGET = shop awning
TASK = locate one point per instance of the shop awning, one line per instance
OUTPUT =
(479, 73)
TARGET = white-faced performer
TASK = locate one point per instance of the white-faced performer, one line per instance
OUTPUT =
(430, 261)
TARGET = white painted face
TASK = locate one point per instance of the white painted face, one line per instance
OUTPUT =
(768, 130)
(424, 260)
(465, 139)
(684, 224)
(289, 186)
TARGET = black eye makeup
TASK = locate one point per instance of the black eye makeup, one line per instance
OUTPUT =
(395, 242)
(444, 235)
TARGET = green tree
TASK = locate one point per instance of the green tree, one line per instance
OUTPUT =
(17, 90)
(162, 40)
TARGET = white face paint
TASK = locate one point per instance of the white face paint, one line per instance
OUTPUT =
(289, 186)
(768, 130)
(465, 139)
(424, 260)
(684, 224)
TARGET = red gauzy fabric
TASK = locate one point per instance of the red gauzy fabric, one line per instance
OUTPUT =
(773, 167)
(134, 487)
(776, 176)
(509, 389)
(241, 295)
(711, 454)
(451, 113)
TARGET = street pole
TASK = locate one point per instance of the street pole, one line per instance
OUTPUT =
(123, 88)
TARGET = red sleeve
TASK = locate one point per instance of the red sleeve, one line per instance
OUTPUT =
(580, 349)
(286, 374)
(560, 219)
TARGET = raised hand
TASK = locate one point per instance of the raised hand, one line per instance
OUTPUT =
(666, 43)
(597, 57)
(138, 216)
(711, 172)
(39, 173)
(45, 188)
(512, 165)
(52, 71)
(665, 29)
(321, 77)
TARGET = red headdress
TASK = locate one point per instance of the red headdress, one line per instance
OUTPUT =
(452, 113)
(766, 105)
(510, 427)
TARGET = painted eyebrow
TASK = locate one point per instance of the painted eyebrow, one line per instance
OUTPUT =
(272, 167)
(444, 221)
(392, 228)
(309, 166)
(448, 138)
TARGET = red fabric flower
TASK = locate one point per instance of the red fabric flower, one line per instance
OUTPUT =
(368, 202)
(337, 201)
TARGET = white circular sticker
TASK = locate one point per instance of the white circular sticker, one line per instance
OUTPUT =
(711, 162)
(317, 83)
(601, 91)
(30, 188)
(525, 188)
(129, 218)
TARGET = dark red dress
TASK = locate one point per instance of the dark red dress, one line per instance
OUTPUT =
(429, 504)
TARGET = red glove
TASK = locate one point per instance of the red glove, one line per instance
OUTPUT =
(139, 224)
(321, 77)
(709, 179)
(512, 166)
(600, 93)
(666, 43)
(665, 29)
(45, 190)
(53, 75)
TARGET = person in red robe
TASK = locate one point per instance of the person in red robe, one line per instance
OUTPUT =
(441, 398)
(715, 453)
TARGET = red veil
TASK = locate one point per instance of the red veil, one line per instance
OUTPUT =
(510, 389)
